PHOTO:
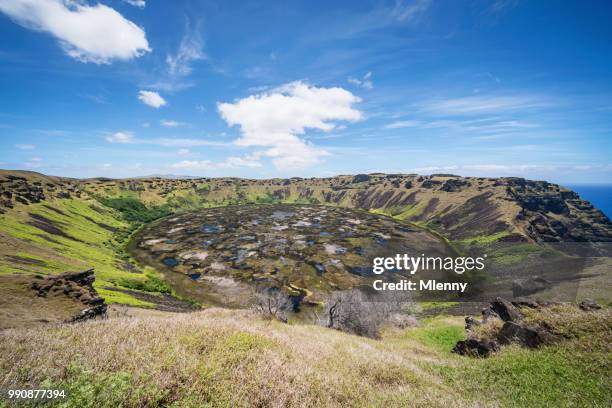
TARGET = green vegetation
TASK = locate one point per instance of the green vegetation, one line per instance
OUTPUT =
(486, 239)
(151, 284)
(551, 377)
(265, 198)
(134, 211)
(74, 234)
(440, 333)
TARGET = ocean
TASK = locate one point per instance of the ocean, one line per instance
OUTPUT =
(598, 195)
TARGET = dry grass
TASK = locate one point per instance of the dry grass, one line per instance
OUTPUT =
(221, 358)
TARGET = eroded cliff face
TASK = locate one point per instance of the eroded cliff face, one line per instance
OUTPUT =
(460, 208)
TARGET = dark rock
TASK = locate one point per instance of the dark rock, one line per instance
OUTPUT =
(89, 313)
(430, 183)
(360, 178)
(525, 287)
(475, 348)
(531, 337)
(76, 285)
(505, 310)
(488, 314)
(532, 304)
(589, 304)
(453, 185)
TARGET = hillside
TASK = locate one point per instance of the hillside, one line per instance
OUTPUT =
(52, 224)
(226, 358)
(457, 207)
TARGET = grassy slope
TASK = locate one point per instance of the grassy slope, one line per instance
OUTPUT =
(89, 241)
(228, 358)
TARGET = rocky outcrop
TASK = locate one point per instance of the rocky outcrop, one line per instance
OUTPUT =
(526, 336)
(75, 285)
(505, 310)
(552, 213)
(589, 304)
(476, 348)
(30, 188)
(514, 329)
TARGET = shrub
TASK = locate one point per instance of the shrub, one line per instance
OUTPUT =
(272, 303)
(364, 315)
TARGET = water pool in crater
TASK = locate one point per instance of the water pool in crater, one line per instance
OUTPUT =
(218, 255)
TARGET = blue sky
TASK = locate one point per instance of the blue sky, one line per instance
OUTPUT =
(264, 89)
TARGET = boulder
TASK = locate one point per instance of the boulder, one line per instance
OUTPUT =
(475, 348)
(589, 304)
(488, 314)
(523, 302)
(505, 310)
(531, 337)
(360, 178)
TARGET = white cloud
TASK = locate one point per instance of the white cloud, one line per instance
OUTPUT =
(183, 152)
(411, 10)
(276, 119)
(247, 161)
(95, 33)
(136, 3)
(403, 124)
(152, 99)
(34, 162)
(230, 162)
(121, 137)
(25, 146)
(190, 50)
(171, 123)
(482, 104)
(128, 138)
(364, 82)
(182, 142)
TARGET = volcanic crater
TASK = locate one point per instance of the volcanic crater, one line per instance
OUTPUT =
(219, 255)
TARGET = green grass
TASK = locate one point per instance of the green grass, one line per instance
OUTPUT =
(556, 376)
(431, 305)
(438, 333)
(486, 239)
(112, 296)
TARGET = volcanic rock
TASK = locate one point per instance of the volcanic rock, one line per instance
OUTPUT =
(505, 310)
(475, 348)
(531, 337)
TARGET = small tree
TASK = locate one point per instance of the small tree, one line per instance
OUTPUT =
(272, 303)
(357, 313)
